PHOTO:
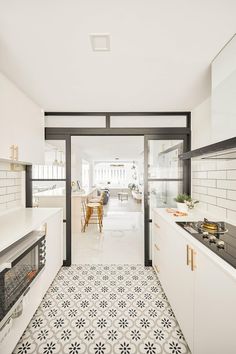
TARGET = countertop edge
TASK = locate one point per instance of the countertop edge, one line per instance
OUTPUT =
(11, 232)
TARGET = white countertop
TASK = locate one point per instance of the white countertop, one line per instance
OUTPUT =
(18, 223)
(193, 215)
(60, 192)
(84, 193)
(57, 192)
(196, 215)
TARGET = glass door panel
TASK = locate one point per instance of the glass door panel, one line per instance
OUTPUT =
(162, 193)
(164, 177)
(163, 161)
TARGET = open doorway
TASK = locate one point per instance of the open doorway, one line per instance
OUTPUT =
(107, 170)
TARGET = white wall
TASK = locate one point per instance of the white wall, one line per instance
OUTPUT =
(201, 124)
(76, 165)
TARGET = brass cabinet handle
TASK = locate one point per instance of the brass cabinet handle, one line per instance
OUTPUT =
(16, 153)
(12, 152)
(156, 225)
(157, 269)
(189, 255)
(193, 259)
(157, 248)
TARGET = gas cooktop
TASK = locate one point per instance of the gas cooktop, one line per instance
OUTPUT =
(219, 237)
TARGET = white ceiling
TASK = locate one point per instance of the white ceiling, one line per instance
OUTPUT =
(159, 60)
(107, 148)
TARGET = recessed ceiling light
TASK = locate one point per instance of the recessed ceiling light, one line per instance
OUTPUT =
(100, 42)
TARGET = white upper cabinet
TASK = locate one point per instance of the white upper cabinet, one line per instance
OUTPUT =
(223, 102)
(21, 125)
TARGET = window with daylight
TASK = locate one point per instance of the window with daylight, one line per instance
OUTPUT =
(48, 172)
(115, 174)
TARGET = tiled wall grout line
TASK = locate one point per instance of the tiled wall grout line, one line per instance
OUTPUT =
(10, 188)
(214, 185)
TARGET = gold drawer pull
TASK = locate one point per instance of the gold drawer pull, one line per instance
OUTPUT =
(16, 153)
(157, 269)
(12, 152)
(189, 255)
(157, 248)
(157, 225)
(193, 260)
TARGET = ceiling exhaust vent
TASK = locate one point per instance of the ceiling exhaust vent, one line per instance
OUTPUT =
(100, 42)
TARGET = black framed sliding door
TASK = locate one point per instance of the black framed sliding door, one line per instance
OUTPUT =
(165, 176)
(154, 126)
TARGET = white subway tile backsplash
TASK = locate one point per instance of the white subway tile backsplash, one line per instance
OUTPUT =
(217, 174)
(202, 206)
(13, 204)
(217, 192)
(208, 182)
(231, 174)
(226, 165)
(231, 195)
(3, 174)
(3, 198)
(231, 215)
(226, 184)
(199, 189)
(3, 190)
(18, 196)
(13, 174)
(204, 165)
(10, 187)
(10, 197)
(199, 174)
(214, 185)
(3, 206)
(217, 211)
(9, 182)
(195, 196)
(17, 182)
(207, 199)
(196, 182)
(13, 189)
(2, 183)
(226, 203)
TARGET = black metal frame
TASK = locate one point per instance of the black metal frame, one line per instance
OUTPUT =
(67, 133)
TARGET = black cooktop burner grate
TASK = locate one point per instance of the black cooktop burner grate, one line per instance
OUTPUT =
(221, 241)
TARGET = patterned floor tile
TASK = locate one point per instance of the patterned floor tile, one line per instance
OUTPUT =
(99, 309)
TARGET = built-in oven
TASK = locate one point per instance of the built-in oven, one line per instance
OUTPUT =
(20, 264)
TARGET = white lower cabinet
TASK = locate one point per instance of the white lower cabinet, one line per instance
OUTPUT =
(215, 309)
(200, 292)
(174, 273)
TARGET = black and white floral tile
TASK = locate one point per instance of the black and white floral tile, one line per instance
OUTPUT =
(101, 309)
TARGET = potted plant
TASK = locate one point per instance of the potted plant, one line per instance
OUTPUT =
(132, 186)
(181, 201)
